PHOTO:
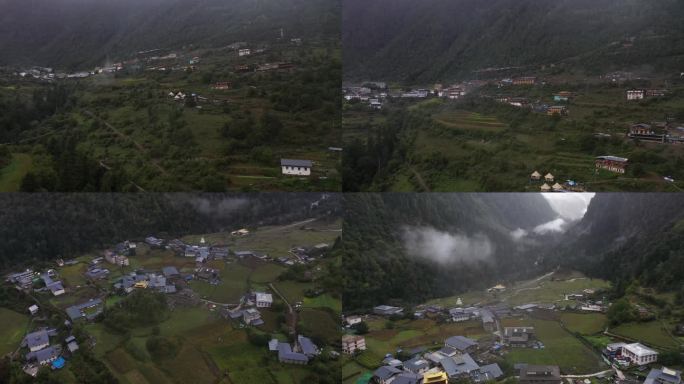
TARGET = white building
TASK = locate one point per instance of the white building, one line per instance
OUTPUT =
(296, 167)
(33, 309)
(639, 354)
(353, 343)
(263, 300)
(635, 94)
(244, 52)
(353, 320)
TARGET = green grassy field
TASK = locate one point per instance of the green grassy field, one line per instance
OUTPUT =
(585, 324)
(12, 174)
(320, 324)
(560, 348)
(12, 330)
(652, 332)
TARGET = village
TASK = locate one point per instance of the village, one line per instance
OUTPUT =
(206, 281)
(496, 335)
(616, 111)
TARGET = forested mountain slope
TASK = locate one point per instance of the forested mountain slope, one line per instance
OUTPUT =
(431, 40)
(85, 33)
(630, 236)
(411, 247)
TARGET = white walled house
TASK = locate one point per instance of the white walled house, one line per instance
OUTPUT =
(296, 167)
(639, 354)
(263, 300)
(635, 94)
(353, 343)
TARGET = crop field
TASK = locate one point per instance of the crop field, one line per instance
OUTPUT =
(560, 348)
(585, 324)
(469, 121)
(321, 324)
(487, 146)
(651, 332)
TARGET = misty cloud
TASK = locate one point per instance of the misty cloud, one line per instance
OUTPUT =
(557, 225)
(223, 208)
(518, 234)
(445, 248)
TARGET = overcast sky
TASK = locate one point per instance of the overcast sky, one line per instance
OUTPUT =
(571, 206)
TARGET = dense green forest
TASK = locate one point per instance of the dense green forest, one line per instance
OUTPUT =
(426, 41)
(42, 32)
(380, 268)
(43, 227)
(630, 237)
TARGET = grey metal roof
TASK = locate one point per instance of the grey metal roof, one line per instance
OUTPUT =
(663, 376)
(415, 364)
(295, 163)
(308, 347)
(75, 312)
(44, 354)
(460, 342)
(492, 371)
(170, 271)
(36, 339)
(613, 158)
(458, 365)
(407, 378)
(385, 372)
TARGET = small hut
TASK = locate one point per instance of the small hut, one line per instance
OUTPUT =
(535, 176)
(557, 187)
(545, 188)
(549, 178)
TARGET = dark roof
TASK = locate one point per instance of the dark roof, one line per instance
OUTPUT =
(308, 347)
(458, 364)
(613, 158)
(285, 353)
(407, 378)
(663, 376)
(492, 371)
(460, 342)
(44, 354)
(36, 339)
(75, 312)
(170, 271)
(539, 372)
(385, 372)
(296, 163)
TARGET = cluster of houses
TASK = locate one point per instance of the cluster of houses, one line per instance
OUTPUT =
(41, 352)
(373, 94)
(452, 362)
(248, 310)
(549, 178)
(25, 280)
(300, 352)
